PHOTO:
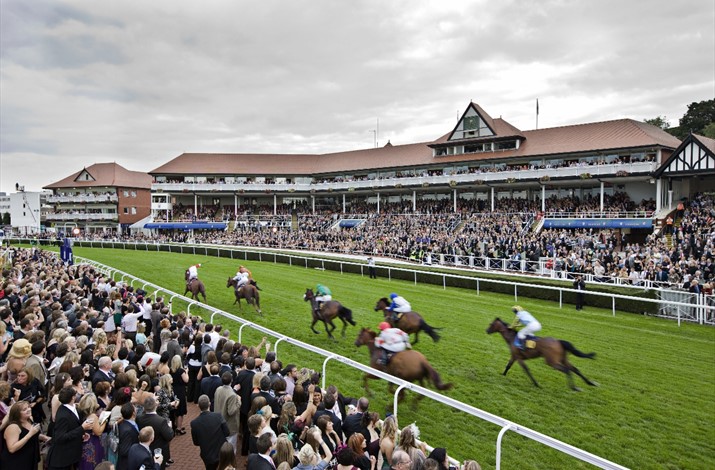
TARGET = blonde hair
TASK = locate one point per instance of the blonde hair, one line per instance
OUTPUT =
(165, 382)
(175, 363)
(471, 465)
(88, 404)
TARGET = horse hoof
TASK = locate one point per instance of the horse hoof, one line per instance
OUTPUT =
(594, 384)
(576, 389)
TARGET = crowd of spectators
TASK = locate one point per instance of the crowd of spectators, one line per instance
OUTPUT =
(97, 374)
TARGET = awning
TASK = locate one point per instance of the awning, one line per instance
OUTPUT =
(598, 223)
(186, 226)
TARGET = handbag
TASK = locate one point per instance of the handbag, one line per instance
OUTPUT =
(114, 439)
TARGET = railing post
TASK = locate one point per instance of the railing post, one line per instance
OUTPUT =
(444, 281)
(499, 438)
(561, 298)
(325, 364)
(477, 286)
(275, 346)
(415, 277)
(516, 298)
(396, 398)
(613, 307)
(240, 331)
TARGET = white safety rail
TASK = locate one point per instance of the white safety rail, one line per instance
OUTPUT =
(504, 424)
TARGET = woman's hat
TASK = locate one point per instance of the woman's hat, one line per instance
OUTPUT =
(21, 348)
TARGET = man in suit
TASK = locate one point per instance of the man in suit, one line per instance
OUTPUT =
(128, 435)
(208, 431)
(36, 363)
(210, 384)
(327, 409)
(141, 455)
(580, 286)
(244, 381)
(262, 460)
(163, 434)
(104, 373)
(70, 425)
(228, 403)
(351, 424)
(265, 387)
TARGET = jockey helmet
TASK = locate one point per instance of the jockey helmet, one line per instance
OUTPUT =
(393, 295)
(383, 326)
(516, 308)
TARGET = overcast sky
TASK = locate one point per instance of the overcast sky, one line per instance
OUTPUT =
(140, 82)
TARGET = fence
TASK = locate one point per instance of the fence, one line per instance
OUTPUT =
(504, 424)
(654, 305)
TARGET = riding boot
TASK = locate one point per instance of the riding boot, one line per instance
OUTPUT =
(519, 344)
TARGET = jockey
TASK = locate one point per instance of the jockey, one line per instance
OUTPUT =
(242, 278)
(398, 305)
(531, 325)
(322, 293)
(243, 271)
(193, 273)
(391, 340)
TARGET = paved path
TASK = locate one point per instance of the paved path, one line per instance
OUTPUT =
(184, 452)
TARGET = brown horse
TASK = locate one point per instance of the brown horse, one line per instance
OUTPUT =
(409, 365)
(553, 350)
(249, 292)
(327, 312)
(196, 287)
(409, 322)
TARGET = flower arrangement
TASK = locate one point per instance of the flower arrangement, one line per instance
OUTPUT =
(545, 178)
(452, 183)
(479, 182)
(351, 189)
(424, 185)
(511, 180)
(585, 176)
(398, 185)
(622, 173)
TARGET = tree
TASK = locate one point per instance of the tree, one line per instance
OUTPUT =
(658, 121)
(6, 218)
(709, 130)
(697, 118)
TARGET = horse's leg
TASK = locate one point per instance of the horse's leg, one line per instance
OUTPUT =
(330, 329)
(578, 372)
(312, 325)
(345, 327)
(417, 336)
(569, 378)
(526, 369)
(365, 379)
(508, 366)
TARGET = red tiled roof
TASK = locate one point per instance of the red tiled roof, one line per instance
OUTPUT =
(602, 137)
(105, 174)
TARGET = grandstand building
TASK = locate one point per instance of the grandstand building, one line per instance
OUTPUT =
(104, 197)
(481, 158)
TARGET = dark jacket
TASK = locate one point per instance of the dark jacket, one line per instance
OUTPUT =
(138, 456)
(67, 442)
(256, 462)
(209, 431)
(163, 434)
(128, 436)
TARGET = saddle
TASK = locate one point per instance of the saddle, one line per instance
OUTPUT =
(385, 357)
(530, 342)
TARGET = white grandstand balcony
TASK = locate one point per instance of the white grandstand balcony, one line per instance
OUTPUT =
(83, 198)
(579, 171)
(82, 216)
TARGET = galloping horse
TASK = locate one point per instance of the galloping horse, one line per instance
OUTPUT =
(409, 365)
(327, 312)
(196, 287)
(249, 292)
(553, 350)
(409, 322)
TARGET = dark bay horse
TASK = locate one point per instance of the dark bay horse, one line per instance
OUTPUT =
(409, 322)
(553, 350)
(409, 365)
(327, 312)
(196, 287)
(249, 292)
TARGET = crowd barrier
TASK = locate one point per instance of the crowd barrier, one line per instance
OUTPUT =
(505, 425)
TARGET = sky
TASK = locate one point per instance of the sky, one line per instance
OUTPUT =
(139, 83)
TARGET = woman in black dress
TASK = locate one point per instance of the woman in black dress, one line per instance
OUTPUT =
(21, 439)
(181, 378)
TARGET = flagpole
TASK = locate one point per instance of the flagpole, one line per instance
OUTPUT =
(537, 113)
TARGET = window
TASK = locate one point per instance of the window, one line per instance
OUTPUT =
(134, 210)
(126, 210)
(125, 193)
(134, 194)
(508, 145)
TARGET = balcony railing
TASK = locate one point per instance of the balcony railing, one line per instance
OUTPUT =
(583, 172)
(84, 216)
(83, 198)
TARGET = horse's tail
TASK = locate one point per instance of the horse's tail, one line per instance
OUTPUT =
(432, 332)
(572, 349)
(434, 376)
(347, 314)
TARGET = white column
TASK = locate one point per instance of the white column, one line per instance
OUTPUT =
(543, 199)
(602, 184)
(414, 201)
(378, 203)
(492, 198)
(670, 199)
(196, 210)
(312, 201)
(235, 205)
(658, 195)
(455, 200)
(343, 203)
(275, 204)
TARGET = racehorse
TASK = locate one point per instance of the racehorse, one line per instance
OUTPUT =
(553, 350)
(327, 312)
(409, 322)
(196, 287)
(249, 292)
(409, 365)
